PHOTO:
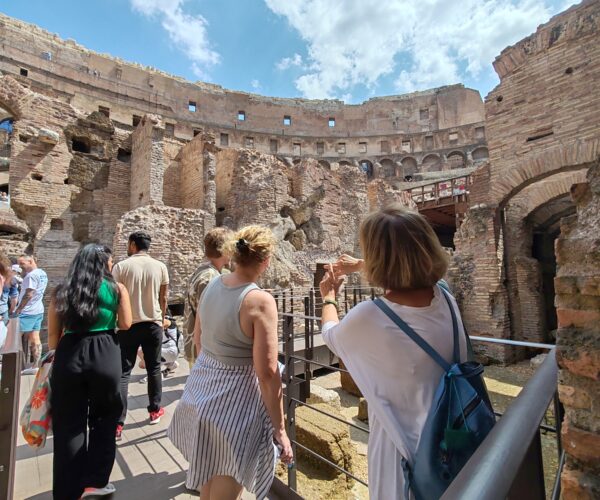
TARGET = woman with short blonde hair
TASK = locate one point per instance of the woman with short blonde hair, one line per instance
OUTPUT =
(231, 410)
(403, 256)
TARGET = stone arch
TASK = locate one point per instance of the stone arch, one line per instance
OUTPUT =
(567, 158)
(480, 155)
(456, 159)
(409, 166)
(325, 164)
(431, 163)
(344, 163)
(388, 168)
(531, 224)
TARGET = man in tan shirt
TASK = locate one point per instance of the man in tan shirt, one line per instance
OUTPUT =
(147, 281)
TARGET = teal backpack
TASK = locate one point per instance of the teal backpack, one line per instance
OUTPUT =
(460, 417)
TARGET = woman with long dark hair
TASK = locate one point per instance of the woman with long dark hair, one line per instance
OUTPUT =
(85, 400)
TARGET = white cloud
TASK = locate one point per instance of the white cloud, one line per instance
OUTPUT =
(255, 84)
(421, 44)
(288, 62)
(187, 32)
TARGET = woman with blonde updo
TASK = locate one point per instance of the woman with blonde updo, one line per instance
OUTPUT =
(231, 409)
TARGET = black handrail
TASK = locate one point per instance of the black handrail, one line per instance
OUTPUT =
(494, 468)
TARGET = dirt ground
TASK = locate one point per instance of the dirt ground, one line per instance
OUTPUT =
(504, 384)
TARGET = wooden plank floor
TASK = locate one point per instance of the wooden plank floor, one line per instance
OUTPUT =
(147, 465)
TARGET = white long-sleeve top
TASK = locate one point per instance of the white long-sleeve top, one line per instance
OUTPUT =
(397, 378)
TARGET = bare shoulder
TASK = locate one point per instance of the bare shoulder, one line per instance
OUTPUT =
(259, 299)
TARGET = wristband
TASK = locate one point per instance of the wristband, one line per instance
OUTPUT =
(331, 301)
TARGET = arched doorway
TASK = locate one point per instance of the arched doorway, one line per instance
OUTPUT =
(480, 155)
(531, 224)
(388, 168)
(409, 168)
(431, 163)
(456, 159)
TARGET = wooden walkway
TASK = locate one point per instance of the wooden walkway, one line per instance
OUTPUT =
(147, 466)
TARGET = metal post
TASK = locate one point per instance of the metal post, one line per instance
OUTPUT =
(288, 337)
(9, 408)
(305, 393)
(354, 297)
(345, 300)
(558, 417)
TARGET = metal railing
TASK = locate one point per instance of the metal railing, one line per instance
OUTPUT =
(10, 385)
(522, 472)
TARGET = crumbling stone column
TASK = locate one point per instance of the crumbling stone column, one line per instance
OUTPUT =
(147, 166)
(578, 342)
(476, 276)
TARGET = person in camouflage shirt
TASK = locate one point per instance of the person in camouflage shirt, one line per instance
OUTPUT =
(211, 268)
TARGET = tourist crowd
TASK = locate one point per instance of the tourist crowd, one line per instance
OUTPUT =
(229, 423)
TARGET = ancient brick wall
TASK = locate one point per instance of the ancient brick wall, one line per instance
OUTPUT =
(398, 128)
(578, 346)
(177, 240)
(192, 174)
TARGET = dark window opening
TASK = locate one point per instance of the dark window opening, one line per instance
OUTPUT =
(135, 120)
(196, 132)
(224, 139)
(81, 145)
(539, 136)
(57, 224)
(23, 72)
(287, 120)
(297, 149)
(192, 106)
(362, 147)
(221, 209)
(37, 177)
(479, 132)
(104, 110)
(273, 145)
(453, 137)
(124, 155)
(170, 129)
(320, 148)
(249, 142)
(341, 148)
(66, 181)
(332, 122)
(424, 114)
(23, 138)
(242, 116)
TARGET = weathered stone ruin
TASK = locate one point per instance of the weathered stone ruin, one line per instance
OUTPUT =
(100, 146)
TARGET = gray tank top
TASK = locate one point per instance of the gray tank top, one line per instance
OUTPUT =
(222, 336)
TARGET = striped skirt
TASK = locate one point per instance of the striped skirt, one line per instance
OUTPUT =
(221, 427)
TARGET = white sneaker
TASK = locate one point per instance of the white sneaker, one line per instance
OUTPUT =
(30, 371)
(109, 489)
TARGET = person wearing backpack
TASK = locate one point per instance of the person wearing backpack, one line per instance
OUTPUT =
(399, 370)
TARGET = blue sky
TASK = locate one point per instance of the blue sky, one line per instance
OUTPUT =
(345, 49)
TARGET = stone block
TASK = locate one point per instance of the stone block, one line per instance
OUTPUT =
(325, 436)
(363, 410)
(574, 397)
(319, 394)
(582, 361)
(348, 383)
(576, 485)
(581, 444)
(48, 136)
(576, 318)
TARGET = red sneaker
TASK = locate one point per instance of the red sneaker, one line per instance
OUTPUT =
(155, 415)
(118, 436)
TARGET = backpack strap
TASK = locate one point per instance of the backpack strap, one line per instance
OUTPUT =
(456, 349)
(415, 337)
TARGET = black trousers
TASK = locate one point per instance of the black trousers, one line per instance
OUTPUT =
(149, 336)
(84, 395)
